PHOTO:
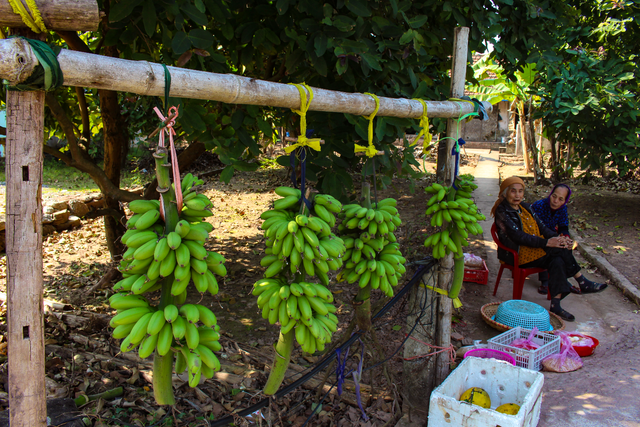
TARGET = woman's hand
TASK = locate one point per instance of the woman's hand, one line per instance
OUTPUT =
(555, 242)
(563, 242)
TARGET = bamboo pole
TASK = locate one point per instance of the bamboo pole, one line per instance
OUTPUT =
(58, 15)
(146, 78)
(445, 272)
(25, 131)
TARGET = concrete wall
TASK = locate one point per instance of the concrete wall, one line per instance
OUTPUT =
(492, 130)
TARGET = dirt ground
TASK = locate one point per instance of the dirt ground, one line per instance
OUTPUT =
(82, 358)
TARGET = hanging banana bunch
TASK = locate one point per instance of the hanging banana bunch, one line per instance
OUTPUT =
(152, 255)
(298, 245)
(373, 256)
(298, 242)
(459, 211)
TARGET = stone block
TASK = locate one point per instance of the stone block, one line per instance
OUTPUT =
(78, 208)
(60, 217)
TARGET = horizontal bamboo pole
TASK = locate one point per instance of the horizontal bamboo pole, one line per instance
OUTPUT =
(147, 78)
(57, 15)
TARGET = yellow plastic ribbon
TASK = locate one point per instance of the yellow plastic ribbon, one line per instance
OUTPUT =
(369, 150)
(456, 301)
(303, 141)
(31, 17)
(424, 131)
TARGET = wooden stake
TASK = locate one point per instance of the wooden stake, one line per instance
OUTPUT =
(445, 272)
(25, 131)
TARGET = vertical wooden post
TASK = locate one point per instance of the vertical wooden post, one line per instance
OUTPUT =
(25, 130)
(445, 273)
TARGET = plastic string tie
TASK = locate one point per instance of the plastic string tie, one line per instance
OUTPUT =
(167, 88)
(455, 151)
(357, 375)
(32, 17)
(451, 350)
(167, 126)
(340, 368)
(375, 187)
(369, 150)
(300, 147)
(424, 128)
(47, 75)
(303, 141)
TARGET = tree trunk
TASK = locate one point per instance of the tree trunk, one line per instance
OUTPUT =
(114, 139)
(554, 162)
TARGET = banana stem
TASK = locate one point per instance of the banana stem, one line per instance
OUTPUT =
(362, 305)
(362, 301)
(163, 365)
(283, 348)
(162, 386)
(366, 195)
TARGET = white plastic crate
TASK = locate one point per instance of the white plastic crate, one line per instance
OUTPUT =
(503, 382)
(530, 359)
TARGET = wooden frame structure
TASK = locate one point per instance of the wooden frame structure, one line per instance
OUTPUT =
(25, 123)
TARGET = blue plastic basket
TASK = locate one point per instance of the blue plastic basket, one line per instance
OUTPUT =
(523, 313)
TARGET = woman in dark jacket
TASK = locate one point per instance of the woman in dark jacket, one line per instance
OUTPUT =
(552, 211)
(521, 230)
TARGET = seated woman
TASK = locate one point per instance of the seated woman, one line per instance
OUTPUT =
(521, 230)
(552, 211)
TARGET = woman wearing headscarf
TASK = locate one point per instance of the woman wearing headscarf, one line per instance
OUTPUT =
(552, 210)
(520, 229)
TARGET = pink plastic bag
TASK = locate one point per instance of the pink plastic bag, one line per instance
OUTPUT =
(527, 343)
(565, 361)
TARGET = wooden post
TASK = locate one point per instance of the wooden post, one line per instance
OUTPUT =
(445, 272)
(25, 130)
(58, 15)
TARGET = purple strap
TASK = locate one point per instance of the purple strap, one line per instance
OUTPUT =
(356, 378)
(340, 367)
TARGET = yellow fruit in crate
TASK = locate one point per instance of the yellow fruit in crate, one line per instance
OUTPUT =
(476, 396)
(508, 408)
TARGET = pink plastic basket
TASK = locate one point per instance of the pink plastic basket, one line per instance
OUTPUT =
(488, 353)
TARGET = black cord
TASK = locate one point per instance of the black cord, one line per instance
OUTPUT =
(324, 362)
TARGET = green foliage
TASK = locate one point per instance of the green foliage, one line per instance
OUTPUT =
(396, 48)
(592, 102)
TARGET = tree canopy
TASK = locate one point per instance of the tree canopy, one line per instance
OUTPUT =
(389, 48)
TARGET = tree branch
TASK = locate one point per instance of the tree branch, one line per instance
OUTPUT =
(80, 160)
(57, 154)
(84, 113)
(74, 41)
(281, 72)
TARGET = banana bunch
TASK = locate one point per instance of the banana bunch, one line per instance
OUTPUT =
(301, 242)
(382, 219)
(196, 206)
(376, 262)
(373, 257)
(307, 307)
(142, 326)
(154, 254)
(458, 211)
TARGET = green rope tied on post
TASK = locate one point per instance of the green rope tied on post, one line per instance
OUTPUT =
(47, 75)
(369, 150)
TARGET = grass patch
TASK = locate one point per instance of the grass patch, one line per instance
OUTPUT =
(58, 176)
